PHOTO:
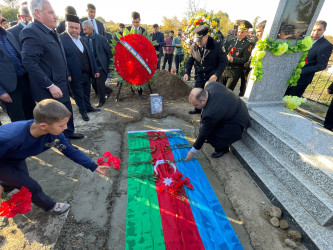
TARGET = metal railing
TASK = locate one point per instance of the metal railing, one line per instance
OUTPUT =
(317, 90)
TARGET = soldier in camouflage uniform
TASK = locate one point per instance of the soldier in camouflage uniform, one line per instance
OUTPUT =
(239, 52)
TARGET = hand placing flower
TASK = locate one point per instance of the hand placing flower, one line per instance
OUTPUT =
(109, 160)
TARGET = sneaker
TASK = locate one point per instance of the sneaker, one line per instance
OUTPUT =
(59, 208)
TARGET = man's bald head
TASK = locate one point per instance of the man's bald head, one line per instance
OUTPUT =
(198, 98)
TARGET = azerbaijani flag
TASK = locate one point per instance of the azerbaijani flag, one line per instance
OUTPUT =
(156, 219)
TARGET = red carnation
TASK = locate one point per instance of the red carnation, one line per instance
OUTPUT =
(100, 161)
(106, 154)
(19, 203)
(232, 51)
(306, 61)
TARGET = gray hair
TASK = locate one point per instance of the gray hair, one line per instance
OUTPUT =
(24, 11)
(37, 5)
(88, 24)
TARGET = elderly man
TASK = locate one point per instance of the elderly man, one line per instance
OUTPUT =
(81, 64)
(207, 56)
(239, 52)
(44, 58)
(317, 57)
(24, 19)
(102, 52)
(223, 119)
(98, 26)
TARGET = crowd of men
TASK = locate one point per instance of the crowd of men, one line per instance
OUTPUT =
(47, 63)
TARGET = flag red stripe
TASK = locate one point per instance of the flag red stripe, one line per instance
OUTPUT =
(179, 227)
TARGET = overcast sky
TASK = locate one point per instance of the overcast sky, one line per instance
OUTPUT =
(153, 11)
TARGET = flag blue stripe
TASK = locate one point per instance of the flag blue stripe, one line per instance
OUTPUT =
(213, 225)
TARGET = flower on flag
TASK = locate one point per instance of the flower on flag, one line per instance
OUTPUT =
(19, 203)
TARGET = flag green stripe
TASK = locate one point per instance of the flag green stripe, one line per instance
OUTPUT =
(143, 220)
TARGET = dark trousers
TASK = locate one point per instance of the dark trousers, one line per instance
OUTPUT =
(99, 86)
(329, 117)
(178, 60)
(70, 125)
(81, 93)
(297, 90)
(167, 58)
(22, 106)
(15, 174)
(223, 137)
(230, 77)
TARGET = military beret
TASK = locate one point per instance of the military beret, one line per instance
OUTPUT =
(244, 25)
(72, 18)
(199, 33)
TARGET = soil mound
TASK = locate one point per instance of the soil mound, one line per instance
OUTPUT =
(169, 86)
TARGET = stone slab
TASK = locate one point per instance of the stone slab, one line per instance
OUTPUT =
(317, 202)
(316, 235)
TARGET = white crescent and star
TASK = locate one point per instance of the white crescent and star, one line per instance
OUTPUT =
(159, 162)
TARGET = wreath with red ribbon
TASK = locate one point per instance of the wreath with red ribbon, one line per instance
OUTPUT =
(134, 58)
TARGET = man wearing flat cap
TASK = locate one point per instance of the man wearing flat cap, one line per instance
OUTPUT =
(208, 58)
(239, 51)
(82, 65)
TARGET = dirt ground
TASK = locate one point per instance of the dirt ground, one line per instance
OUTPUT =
(96, 219)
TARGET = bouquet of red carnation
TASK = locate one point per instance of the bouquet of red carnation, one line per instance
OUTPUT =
(19, 203)
(110, 160)
(232, 51)
(177, 186)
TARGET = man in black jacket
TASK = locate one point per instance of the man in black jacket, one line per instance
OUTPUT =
(44, 59)
(317, 57)
(81, 64)
(98, 26)
(24, 19)
(102, 52)
(208, 58)
(223, 119)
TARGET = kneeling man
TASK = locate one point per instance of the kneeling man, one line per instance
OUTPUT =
(224, 117)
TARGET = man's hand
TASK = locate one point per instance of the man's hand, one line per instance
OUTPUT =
(1, 191)
(5, 98)
(69, 78)
(102, 169)
(213, 78)
(97, 75)
(56, 92)
(230, 58)
(329, 91)
(185, 77)
(189, 156)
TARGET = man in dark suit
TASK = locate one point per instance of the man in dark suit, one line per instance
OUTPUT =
(207, 56)
(98, 26)
(81, 64)
(136, 20)
(24, 19)
(223, 119)
(318, 57)
(14, 80)
(44, 58)
(159, 38)
(102, 52)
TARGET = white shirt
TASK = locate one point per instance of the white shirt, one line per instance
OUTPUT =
(95, 24)
(78, 43)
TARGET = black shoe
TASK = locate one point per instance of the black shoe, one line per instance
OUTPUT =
(93, 110)
(219, 154)
(194, 111)
(76, 136)
(100, 104)
(85, 117)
